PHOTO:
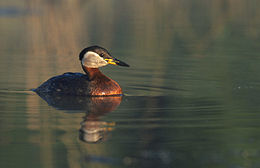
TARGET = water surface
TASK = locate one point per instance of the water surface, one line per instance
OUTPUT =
(191, 92)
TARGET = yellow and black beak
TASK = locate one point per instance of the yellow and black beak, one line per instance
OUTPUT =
(114, 61)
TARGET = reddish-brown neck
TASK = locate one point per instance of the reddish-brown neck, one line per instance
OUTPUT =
(101, 85)
(92, 72)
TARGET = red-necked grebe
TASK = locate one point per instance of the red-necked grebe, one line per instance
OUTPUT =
(93, 83)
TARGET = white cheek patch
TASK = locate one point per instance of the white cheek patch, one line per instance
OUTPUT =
(93, 60)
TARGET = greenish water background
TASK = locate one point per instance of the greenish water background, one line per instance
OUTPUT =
(192, 91)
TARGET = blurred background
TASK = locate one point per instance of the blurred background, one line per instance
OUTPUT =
(192, 89)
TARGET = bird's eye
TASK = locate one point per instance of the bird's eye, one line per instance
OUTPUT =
(102, 54)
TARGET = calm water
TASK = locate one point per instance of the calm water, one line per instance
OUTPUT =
(191, 93)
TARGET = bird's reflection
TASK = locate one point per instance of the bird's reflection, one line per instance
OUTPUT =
(92, 130)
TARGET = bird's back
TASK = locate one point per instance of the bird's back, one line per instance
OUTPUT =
(68, 83)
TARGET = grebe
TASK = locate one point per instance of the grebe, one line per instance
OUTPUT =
(93, 83)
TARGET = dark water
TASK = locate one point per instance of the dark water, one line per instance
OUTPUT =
(191, 93)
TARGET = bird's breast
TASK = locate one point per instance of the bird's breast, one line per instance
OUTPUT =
(104, 87)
